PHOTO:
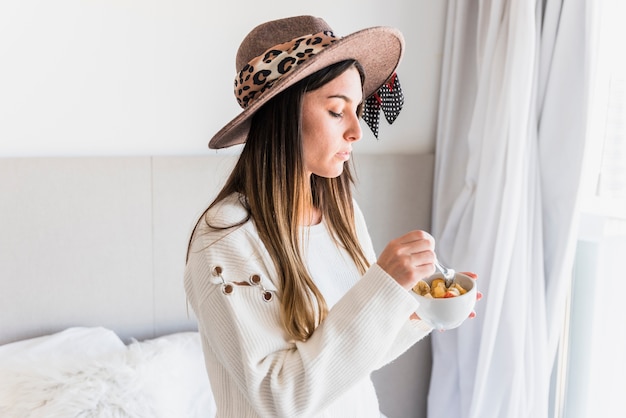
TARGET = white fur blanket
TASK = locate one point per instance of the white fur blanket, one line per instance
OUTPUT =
(89, 373)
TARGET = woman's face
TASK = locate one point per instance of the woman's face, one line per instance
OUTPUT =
(330, 124)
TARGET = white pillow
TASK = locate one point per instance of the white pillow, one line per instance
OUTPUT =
(89, 372)
(172, 370)
(74, 342)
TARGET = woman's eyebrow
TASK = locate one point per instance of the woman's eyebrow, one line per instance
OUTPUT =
(340, 96)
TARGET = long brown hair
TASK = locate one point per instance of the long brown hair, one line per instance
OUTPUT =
(270, 177)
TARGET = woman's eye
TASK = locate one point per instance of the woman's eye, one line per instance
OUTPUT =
(335, 115)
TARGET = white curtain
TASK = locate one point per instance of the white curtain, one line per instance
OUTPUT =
(510, 142)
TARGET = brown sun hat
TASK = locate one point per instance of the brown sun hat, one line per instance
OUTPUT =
(279, 53)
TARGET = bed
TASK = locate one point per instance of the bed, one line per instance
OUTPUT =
(90, 372)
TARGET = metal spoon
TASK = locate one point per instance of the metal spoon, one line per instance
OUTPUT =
(448, 273)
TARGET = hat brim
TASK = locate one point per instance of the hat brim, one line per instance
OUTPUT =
(378, 49)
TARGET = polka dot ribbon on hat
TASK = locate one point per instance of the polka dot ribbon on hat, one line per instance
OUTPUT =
(390, 98)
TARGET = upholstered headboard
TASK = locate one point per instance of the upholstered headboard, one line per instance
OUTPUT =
(98, 242)
(101, 241)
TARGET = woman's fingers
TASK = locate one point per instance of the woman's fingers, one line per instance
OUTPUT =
(479, 295)
(409, 258)
(474, 276)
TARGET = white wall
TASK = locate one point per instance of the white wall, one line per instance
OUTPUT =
(145, 77)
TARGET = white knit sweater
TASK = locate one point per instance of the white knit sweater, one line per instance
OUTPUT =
(255, 370)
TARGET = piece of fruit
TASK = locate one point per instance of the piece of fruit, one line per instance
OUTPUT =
(422, 288)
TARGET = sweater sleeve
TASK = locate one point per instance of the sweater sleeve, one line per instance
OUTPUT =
(413, 330)
(243, 330)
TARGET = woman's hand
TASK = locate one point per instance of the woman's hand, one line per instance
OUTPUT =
(409, 258)
(479, 295)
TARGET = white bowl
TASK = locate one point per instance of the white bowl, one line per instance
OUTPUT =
(447, 313)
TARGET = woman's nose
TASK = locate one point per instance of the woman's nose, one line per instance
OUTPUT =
(354, 131)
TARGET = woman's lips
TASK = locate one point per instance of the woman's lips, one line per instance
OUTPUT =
(344, 155)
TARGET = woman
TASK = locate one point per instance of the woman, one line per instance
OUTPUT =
(293, 307)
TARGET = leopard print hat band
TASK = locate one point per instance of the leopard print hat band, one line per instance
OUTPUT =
(262, 71)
